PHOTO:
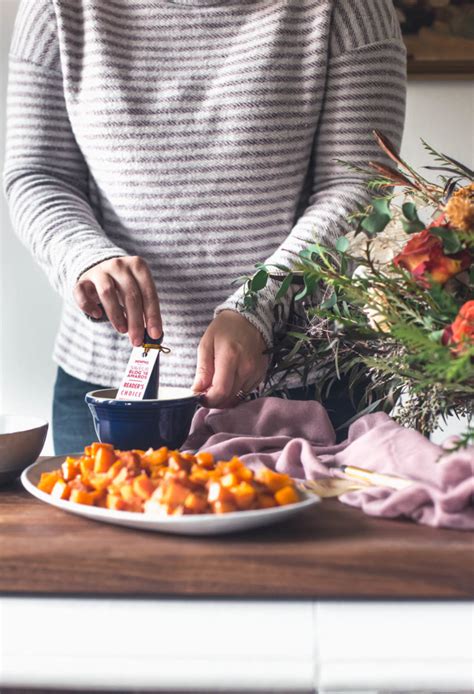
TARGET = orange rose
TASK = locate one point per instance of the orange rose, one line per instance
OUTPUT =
(423, 255)
(461, 330)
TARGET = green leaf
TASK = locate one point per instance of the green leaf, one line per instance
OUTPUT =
(309, 285)
(412, 227)
(317, 249)
(284, 287)
(436, 335)
(375, 222)
(331, 302)
(342, 244)
(382, 206)
(259, 281)
(250, 301)
(306, 254)
(410, 212)
(450, 239)
(298, 336)
(283, 268)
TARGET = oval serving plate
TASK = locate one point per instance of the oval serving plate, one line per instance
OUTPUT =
(203, 524)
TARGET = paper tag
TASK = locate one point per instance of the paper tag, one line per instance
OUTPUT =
(137, 374)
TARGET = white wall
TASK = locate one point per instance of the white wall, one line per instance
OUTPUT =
(29, 308)
(441, 112)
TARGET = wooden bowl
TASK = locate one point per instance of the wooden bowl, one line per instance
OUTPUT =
(21, 441)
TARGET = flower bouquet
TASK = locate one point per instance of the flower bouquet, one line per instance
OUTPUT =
(391, 306)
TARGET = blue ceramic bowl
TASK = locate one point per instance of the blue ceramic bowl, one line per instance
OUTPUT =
(143, 424)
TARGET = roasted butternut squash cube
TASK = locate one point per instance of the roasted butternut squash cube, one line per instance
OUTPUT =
(218, 493)
(233, 465)
(115, 502)
(229, 480)
(195, 503)
(158, 457)
(286, 495)
(69, 469)
(143, 486)
(48, 480)
(121, 477)
(114, 469)
(266, 501)
(132, 461)
(100, 502)
(177, 462)
(79, 496)
(98, 481)
(98, 444)
(127, 493)
(244, 495)
(205, 459)
(245, 473)
(224, 507)
(199, 475)
(61, 490)
(273, 480)
(104, 457)
(135, 506)
(86, 465)
(174, 493)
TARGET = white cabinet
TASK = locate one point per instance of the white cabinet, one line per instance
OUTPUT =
(251, 646)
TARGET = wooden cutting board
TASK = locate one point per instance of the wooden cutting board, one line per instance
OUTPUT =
(332, 551)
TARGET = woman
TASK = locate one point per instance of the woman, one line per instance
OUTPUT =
(158, 149)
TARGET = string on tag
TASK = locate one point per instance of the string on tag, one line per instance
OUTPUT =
(161, 348)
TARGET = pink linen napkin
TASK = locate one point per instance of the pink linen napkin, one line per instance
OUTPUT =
(297, 437)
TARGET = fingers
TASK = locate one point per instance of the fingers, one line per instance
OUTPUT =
(149, 297)
(231, 358)
(234, 371)
(205, 366)
(225, 379)
(87, 299)
(127, 292)
(132, 300)
(107, 290)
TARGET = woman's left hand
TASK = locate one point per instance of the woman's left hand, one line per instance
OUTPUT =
(231, 359)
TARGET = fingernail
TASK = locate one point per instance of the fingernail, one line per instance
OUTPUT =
(137, 342)
(96, 314)
(154, 332)
(122, 328)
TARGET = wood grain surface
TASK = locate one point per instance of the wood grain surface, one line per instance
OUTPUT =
(332, 551)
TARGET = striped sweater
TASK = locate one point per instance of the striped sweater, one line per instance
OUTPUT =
(202, 135)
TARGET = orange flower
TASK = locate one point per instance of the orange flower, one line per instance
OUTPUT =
(461, 331)
(423, 255)
(460, 208)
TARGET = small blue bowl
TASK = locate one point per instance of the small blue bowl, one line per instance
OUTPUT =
(143, 424)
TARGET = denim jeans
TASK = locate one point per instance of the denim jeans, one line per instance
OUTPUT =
(73, 427)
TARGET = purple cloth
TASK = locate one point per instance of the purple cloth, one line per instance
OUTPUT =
(297, 437)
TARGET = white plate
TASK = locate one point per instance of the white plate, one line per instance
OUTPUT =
(204, 524)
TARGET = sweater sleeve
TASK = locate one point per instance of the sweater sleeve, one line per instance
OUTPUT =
(46, 179)
(365, 90)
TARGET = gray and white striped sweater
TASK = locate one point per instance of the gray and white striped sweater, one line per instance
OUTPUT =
(200, 134)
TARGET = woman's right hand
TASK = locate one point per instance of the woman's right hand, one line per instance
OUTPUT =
(125, 288)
